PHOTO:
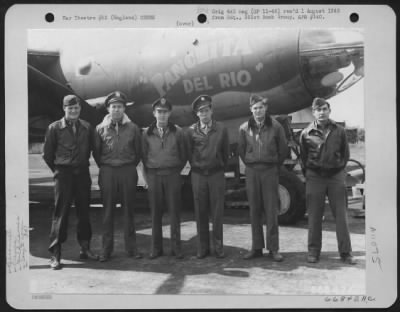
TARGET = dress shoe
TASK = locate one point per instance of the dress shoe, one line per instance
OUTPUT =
(135, 255)
(312, 259)
(87, 254)
(56, 251)
(178, 255)
(202, 255)
(83, 255)
(219, 254)
(276, 256)
(348, 258)
(155, 255)
(55, 264)
(256, 253)
(104, 258)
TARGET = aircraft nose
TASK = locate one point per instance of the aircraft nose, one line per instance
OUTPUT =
(330, 61)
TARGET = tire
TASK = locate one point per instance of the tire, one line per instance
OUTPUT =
(292, 197)
(355, 172)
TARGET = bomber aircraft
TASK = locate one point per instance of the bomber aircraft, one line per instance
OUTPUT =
(288, 66)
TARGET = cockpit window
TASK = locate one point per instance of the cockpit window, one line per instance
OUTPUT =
(331, 60)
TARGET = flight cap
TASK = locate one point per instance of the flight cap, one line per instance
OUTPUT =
(318, 102)
(162, 103)
(70, 100)
(254, 99)
(200, 102)
(116, 96)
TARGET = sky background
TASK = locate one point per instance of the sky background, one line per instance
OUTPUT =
(348, 106)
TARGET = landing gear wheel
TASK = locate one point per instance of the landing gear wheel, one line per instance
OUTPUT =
(355, 173)
(292, 197)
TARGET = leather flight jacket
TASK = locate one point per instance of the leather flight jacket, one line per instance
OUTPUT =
(208, 151)
(65, 149)
(324, 152)
(265, 145)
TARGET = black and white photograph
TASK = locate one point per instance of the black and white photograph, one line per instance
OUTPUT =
(157, 78)
(213, 161)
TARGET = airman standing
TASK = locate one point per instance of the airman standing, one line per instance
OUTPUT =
(325, 152)
(262, 147)
(67, 147)
(164, 156)
(208, 146)
(117, 152)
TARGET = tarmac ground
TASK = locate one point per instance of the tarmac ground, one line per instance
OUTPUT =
(166, 275)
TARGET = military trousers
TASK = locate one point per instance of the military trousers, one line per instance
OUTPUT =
(164, 193)
(317, 188)
(262, 193)
(118, 185)
(209, 200)
(70, 185)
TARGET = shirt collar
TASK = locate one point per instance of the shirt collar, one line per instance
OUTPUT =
(314, 126)
(260, 124)
(267, 121)
(153, 127)
(163, 128)
(108, 122)
(328, 124)
(66, 123)
(203, 125)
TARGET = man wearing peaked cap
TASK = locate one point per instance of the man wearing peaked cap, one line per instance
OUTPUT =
(200, 102)
(164, 156)
(115, 97)
(324, 151)
(262, 146)
(162, 103)
(117, 151)
(208, 148)
(67, 147)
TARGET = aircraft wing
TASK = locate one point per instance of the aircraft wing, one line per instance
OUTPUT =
(47, 86)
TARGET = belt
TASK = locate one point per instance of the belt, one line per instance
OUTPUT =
(261, 166)
(207, 171)
(325, 172)
(68, 167)
(163, 171)
(74, 169)
(117, 166)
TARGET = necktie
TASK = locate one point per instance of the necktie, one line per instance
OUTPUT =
(206, 128)
(115, 125)
(74, 128)
(161, 131)
(259, 125)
